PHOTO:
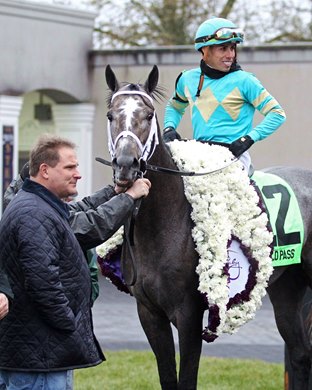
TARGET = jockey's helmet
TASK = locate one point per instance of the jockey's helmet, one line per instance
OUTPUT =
(216, 31)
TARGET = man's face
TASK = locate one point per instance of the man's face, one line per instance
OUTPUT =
(220, 57)
(62, 179)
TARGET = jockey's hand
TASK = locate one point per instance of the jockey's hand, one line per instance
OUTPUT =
(239, 146)
(170, 134)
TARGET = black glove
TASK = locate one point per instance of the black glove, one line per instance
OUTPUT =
(25, 171)
(240, 146)
(170, 134)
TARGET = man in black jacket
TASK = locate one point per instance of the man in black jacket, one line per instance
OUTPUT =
(48, 330)
(94, 219)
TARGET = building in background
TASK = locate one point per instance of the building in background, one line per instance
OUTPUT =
(45, 83)
(51, 80)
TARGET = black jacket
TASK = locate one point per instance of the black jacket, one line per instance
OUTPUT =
(49, 325)
(94, 219)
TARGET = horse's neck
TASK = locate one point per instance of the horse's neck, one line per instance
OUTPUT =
(166, 203)
(162, 158)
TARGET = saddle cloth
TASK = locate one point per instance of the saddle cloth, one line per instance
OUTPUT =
(285, 218)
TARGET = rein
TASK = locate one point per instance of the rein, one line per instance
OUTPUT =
(157, 169)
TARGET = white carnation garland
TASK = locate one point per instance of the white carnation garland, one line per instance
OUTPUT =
(111, 244)
(224, 206)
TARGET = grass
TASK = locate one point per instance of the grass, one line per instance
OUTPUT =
(134, 370)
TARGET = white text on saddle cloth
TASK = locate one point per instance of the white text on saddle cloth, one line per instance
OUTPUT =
(238, 269)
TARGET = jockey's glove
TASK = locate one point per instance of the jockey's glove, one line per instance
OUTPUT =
(239, 146)
(170, 134)
(25, 171)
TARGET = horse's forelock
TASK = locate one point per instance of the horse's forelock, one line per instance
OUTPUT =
(158, 94)
(129, 87)
(134, 87)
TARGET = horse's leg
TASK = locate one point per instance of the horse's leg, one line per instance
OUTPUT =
(159, 334)
(190, 345)
(286, 295)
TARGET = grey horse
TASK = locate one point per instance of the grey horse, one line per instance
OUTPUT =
(161, 274)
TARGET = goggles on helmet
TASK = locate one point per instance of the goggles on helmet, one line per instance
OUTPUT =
(222, 34)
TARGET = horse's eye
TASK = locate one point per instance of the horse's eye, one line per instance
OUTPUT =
(109, 116)
(150, 116)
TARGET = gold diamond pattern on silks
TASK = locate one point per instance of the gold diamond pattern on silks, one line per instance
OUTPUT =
(189, 98)
(233, 103)
(207, 103)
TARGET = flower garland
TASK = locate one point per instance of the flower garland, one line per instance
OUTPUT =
(109, 259)
(225, 206)
(111, 244)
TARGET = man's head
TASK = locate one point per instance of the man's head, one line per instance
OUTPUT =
(53, 164)
(216, 39)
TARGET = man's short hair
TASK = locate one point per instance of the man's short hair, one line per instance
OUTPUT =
(46, 151)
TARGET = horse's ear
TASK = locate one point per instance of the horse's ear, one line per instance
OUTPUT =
(111, 79)
(152, 80)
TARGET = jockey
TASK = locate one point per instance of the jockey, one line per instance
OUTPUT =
(222, 97)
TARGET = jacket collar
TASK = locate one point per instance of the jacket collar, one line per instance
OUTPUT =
(36, 188)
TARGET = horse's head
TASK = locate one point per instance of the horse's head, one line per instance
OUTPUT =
(132, 126)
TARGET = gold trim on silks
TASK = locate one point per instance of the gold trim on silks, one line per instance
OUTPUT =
(259, 99)
(269, 105)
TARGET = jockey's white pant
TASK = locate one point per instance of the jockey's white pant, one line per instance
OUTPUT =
(245, 159)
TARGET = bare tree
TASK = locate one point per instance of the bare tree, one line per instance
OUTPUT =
(276, 21)
(154, 22)
(126, 23)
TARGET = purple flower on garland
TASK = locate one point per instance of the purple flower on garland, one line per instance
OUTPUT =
(110, 268)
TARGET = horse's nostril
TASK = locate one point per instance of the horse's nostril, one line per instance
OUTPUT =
(125, 168)
(114, 163)
(136, 163)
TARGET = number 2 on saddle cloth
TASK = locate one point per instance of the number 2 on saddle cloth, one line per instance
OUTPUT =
(284, 216)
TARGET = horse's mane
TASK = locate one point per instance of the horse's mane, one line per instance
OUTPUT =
(158, 94)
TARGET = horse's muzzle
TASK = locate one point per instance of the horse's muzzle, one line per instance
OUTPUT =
(125, 171)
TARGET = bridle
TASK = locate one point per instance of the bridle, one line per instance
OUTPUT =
(155, 168)
(147, 150)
